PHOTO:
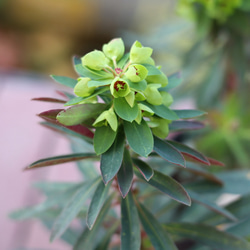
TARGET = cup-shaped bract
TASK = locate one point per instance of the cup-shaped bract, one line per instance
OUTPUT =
(95, 60)
(167, 99)
(162, 79)
(160, 127)
(107, 117)
(119, 87)
(136, 73)
(114, 49)
(152, 94)
(82, 89)
(139, 54)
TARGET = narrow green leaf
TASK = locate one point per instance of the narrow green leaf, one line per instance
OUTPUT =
(78, 99)
(173, 81)
(188, 113)
(88, 238)
(72, 209)
(59, 160)
(241, 228)
(152, 70)
(190, 152)
(82, 133)
(104, 242)
(168, 152)
(208, 236)
(185, 125)
(125, 174)
(123, 109)
(162, 111)
(139, 86)
(213, 206)
(99, 83)
(79, 113)
(170, 187)
(131, 233)
(159, 238)
(139, 137)
(144, 168)
(111, 160)
(98, 199)
(67, 81)
(103, 139)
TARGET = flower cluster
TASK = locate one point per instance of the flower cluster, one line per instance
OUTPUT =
(131, 83)
(215, 9)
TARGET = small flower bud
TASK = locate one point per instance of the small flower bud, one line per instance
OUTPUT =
(82, 89)
(136, 73)
(119, 87)
(105, 118)
(114, 49)
(139, 54)
(95, 60)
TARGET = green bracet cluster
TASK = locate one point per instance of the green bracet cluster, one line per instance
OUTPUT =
(128, 89)
(215, 9)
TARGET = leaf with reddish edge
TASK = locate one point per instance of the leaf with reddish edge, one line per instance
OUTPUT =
(79, 113)
(146, 171)
(193, 168)
(125, 174)
(185, 150)
(185, 125)
(168, 152)
(215, 162)
(59, 160)
(65, 94)
(81, 130)
(87, 136)
(50, 115)
(48, 99)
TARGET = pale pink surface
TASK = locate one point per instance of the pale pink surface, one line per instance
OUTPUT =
(23, 140)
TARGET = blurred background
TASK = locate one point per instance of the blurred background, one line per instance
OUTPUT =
(209, 45)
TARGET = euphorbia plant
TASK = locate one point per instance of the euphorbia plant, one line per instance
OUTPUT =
(121, 108)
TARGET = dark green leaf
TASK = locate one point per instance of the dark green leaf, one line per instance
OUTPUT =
(188, 113)
(139, 137)
(79, 113)
(111, 160)
(241, 228)
(144, 168)
(103, 139)
(170, 187)
(123, 109)
(213, 206)
(67, 81)
(71, 210)
(131, 233)
(125, 174)
(190, 152)
(88, 238)
(208, 236)
(154, 230)
(185, 125)
(168, 152)
(59, 160)
(98, 199)
(104, 243)
(162, 111)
